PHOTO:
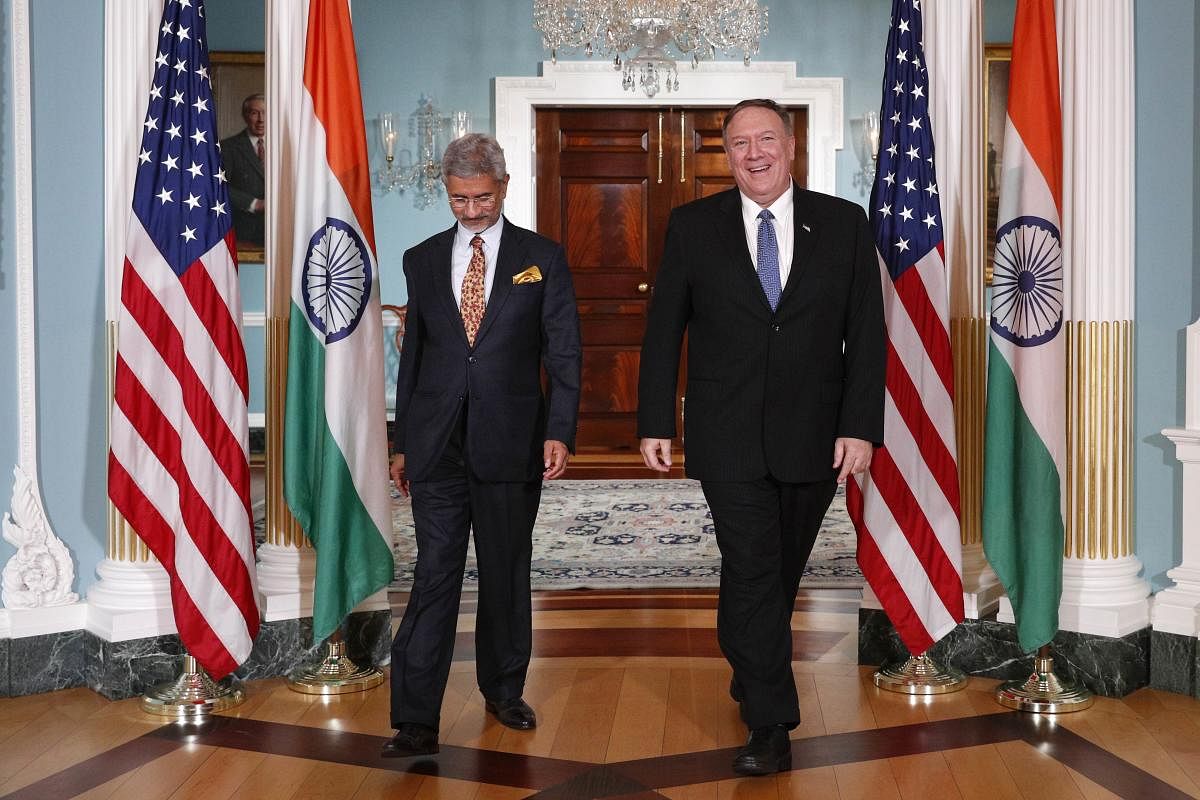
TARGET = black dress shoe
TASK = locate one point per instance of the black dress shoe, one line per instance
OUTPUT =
(514, 713)
(411, 739)
(767, 751)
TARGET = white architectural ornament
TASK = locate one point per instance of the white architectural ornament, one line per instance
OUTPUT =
(41, 572)
(715, 84)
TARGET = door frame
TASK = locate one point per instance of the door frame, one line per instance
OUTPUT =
(582, 84)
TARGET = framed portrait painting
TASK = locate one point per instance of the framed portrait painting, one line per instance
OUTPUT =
(996, 59)
(237, 77)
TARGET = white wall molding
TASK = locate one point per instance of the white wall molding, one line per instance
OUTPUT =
(1177, 609)
(41, 572)
(721, 84)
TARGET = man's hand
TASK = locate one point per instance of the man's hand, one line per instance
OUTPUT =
(554, 456)
(852, 456)
(657, 454)
(397, 472)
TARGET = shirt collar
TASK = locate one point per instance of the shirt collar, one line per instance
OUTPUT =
(781, 208)
(491, 235)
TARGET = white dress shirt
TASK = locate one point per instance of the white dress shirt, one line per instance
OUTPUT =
(460, 258)
(784, 230)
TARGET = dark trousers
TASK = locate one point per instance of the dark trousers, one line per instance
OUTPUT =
(446, 507)
(765, 532)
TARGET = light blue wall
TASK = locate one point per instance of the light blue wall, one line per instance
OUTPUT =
(1167, 289)
(8, 279)
(67, 62)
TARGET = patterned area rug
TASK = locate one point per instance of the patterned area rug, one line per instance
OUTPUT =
(635, 534)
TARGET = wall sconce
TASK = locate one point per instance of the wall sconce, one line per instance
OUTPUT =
(421, 175)
(867, 145)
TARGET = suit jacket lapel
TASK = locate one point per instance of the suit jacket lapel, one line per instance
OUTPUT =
(508, 264)
(249, 153)
(733, 233)
(804, 231)
(443, 258)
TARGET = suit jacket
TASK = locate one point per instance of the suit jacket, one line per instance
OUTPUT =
(525, 327)
(244, 176)
(767, 392)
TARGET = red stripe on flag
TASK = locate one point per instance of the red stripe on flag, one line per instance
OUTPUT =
(162, 333)
(210, 306)
(907, 399)
(892, 597)
(163, 440)
(896, 493)
(195, 632)
(331, 77)
(910, 290)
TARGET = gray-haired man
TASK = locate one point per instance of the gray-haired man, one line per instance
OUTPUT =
(489, 306)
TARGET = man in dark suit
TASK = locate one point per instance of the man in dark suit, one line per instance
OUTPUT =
(490, 305)
(778, 289)
(242, 158)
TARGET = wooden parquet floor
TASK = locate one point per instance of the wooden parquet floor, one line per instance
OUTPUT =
(632, 701)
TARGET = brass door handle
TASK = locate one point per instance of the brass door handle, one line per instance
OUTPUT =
(643, 288)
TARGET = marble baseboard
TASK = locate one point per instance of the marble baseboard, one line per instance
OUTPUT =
(1175, 663)
(116, 670)
(35, 664)
(1108, 667)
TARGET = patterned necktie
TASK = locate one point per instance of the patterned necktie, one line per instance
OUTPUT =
(471, 306)
(768, 259)
(259, 148)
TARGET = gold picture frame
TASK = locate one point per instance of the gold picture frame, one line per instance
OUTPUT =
(235, 76)
(996, 59)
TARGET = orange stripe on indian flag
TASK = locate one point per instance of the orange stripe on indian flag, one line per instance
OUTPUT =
(331, 78)
(1033, 98)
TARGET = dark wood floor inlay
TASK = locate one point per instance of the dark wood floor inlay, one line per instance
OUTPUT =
(102, 768)
(660, 642)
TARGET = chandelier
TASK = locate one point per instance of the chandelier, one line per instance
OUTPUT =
(696, 28)
(422, 174)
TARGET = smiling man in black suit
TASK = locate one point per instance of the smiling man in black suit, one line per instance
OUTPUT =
(242, 156)
(490, 305)
(778, 289)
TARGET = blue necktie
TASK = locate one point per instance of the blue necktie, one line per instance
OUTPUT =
(768, 259)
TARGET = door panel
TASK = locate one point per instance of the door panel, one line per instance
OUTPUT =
(607, 180)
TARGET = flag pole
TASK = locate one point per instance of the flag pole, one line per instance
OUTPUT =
(1043, 692)
(193, 695)
(336, 673)
(920, 675)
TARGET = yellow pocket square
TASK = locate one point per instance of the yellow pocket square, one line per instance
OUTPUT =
(531, 275)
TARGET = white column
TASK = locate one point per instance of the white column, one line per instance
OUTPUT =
(954, 52)
(1103, 592)
(1177, 609)
(132, 599)
(37, 580)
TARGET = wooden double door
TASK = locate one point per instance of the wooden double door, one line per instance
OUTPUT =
(607, 179)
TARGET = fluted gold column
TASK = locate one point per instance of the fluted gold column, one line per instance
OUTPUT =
(1103, 592)
(123, 543)
(954, 51)
(282, 528)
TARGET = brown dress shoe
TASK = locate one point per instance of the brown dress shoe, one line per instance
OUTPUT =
(514, 713)
(411, 739)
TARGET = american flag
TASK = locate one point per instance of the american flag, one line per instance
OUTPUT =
(906, 509)
(178, 466)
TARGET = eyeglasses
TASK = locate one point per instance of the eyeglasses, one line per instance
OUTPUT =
(482, 201)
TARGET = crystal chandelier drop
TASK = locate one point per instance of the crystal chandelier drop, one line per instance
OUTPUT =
(696, 28)
(422, 174)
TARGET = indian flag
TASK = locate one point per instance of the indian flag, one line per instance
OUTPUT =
(1025, 438)
(335, 437)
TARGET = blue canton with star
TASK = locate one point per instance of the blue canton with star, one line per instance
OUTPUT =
(905, 213)
(180, 194)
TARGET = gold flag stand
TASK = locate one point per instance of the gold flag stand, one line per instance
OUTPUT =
(336, 674)
(1043, 692)
(193, 695)
(921, 675)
